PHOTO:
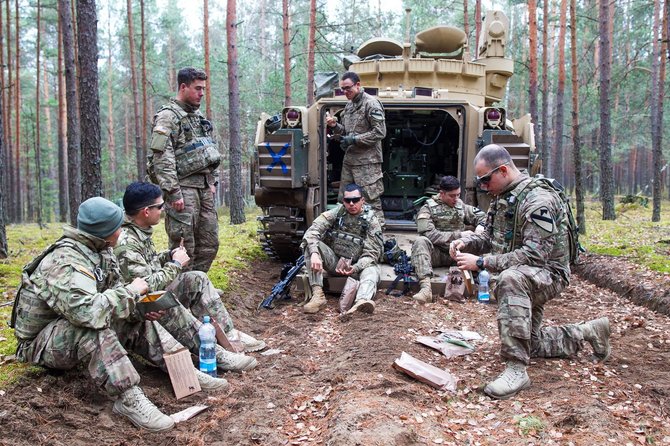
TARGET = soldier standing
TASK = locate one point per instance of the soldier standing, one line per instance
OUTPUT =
(72, 308)
(349, 231)
(440, 221)
(183, 161)
(361, 133)
(526, 234)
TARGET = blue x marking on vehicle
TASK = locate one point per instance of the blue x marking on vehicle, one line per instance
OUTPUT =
(277, 157)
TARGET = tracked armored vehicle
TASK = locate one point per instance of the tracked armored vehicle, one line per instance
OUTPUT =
(440, 107)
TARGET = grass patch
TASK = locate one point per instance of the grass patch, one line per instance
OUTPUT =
(530, 425)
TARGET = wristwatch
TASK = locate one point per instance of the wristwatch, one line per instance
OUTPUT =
(480, 263)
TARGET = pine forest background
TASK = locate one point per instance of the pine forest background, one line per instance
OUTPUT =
(135, 76)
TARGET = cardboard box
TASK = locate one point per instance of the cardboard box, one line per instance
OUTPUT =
(182, 374)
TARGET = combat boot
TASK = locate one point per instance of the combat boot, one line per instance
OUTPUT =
(208, 382)
(510, 382)
(134, 405)
(233, 362)
(425, 294)
(364, 306)
(250, 343)
(317, 302)
(597, 333)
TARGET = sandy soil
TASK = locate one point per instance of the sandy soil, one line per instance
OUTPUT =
(332, 383)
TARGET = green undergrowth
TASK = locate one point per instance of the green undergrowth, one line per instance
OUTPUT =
(632, 235)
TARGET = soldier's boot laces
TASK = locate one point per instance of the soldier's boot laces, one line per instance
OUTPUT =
(510, 382)
(250, 343)
(134, 405)
(317, 302)
(233, 362)
(597, 333)
(425, 294)
(209, 383)
(364, 306)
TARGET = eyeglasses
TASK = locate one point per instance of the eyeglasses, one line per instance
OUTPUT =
(484, 179)
(352, 200)
(347, 87)
(157, 206)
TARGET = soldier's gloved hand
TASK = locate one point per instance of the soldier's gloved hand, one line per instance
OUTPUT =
(347, 140)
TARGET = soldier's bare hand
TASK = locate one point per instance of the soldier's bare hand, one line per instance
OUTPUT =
(315, 262)
(154, 315)
(466, 261)
(178, 205)
(455, 248)
(330, 120)
(180, 255)
(345, 271)
(139, 285)
(213, 189)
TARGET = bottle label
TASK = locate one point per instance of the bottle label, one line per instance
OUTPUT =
(483, 297)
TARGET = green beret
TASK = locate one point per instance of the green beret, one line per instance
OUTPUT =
(99, 217)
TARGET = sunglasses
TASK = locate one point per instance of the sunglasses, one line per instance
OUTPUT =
(347, 87)
(352, 200)
(485, 179)
(157, 206)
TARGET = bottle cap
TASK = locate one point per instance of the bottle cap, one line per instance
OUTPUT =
(205, 319)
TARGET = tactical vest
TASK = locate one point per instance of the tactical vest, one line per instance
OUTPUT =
(445, 218)
(199, 151)
(31, 313)
(504, 222)
(347, 235)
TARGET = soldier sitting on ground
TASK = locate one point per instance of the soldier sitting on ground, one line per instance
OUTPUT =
(143, 204)
(440, 221)
(72, 307)
(349, 231)
(530, 259)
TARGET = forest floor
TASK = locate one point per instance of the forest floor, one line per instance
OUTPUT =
(331, 383)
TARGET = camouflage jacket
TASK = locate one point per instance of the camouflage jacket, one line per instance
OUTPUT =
(540, 225)
(79, 280)
(176, 126)
(442, 224)
(363, 117)
(138, 258)
(363, 226)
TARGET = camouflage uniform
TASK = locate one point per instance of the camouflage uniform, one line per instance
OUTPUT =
(364, 117)
(531, 272)
(73, 308)
(138, 258)
(337, 234)
(184, 161)
(439, 224)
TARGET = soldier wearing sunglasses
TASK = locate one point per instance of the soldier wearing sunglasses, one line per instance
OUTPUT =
(349, 231)
(526, 235)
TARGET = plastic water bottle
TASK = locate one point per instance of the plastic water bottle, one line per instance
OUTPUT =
(483, 291)
(207, 336)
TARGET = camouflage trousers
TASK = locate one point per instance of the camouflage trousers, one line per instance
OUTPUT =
(61, 345)
(196, 292)
(368, 278)
(198, 225)
(425, 255)
(522, 291)
(371, 179)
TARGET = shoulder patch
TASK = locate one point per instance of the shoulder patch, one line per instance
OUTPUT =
(84, 271)
(160, 129)
(542, 217)
(377, 115)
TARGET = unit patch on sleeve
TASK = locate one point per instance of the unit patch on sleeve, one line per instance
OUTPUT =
(542, 217)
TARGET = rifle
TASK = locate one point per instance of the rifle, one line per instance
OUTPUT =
(282, 288)
(403, 269)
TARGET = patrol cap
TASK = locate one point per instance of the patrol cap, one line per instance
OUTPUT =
(99, 217)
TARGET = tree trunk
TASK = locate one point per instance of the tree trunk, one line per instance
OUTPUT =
(89, 99)
(311, 44)
(63, 183)
(576, 142)
(656, 114)
(606, 171)
(478, 24)
(532, 83)
(18, 198)
(111, 142)
(287, 53)
(558, 170)
(6, 181)
(205, 38)
(466, 23)
(543, 128)
(4, 250)
(38, 148)
(139, 150)
(73, 136)
(236, 199)
(145, 101)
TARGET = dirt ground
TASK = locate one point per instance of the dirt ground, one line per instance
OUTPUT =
(332, 382)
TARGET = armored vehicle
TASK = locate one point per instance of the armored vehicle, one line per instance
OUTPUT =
(440, 107)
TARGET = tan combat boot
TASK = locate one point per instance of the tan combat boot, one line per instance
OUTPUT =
(250, 343)
(134, 405)
(317, 302)
(425, 294)
(597, 333)
(209, 383)
(510, 382)
(364, 306)
(233, 362)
